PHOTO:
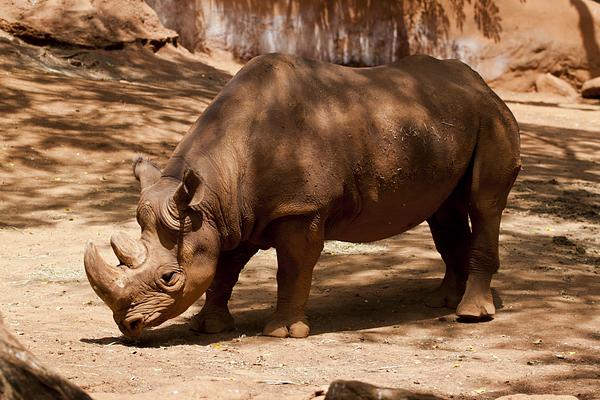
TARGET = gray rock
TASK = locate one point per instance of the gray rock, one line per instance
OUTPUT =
(356, 390)
(537, 397)
(591, 89)
(548, 83)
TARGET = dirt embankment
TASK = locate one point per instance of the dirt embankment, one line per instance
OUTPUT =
(508, 42)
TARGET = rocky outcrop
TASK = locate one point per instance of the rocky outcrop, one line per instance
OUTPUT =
(84, 23)
(591, 89)
(185, 17)
(22, 376)
(548, 83)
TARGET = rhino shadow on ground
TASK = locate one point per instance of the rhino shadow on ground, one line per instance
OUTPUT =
(350, 292)
(550, 293)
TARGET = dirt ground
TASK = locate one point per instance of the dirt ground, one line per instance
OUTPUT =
(70, 124)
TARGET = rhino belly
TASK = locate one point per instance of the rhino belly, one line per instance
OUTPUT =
(394, 200)
(389, 216)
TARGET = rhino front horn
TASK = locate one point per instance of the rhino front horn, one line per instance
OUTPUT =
(130, 252)
(107, 281)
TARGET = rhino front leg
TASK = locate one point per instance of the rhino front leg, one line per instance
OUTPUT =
(215, 316)
(299, 245)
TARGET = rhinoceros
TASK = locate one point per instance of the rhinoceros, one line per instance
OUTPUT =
(294, 152)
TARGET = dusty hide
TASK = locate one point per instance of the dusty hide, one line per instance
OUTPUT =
(22, 377)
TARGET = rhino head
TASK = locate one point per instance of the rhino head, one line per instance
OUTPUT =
(172, 264)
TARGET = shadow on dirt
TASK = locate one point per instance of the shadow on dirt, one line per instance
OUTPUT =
(554, 286)
(562, 186)
(581, 381)
(400, 284)
(343, 310)
(70, 132)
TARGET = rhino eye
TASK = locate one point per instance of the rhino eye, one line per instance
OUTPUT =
(169, 278)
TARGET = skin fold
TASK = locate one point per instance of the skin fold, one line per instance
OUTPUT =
(294, 152)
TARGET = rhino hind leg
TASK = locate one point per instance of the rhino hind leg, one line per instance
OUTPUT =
(299, 243)
(215, 316)
(451, 234)
(477, 302)
(496, 165)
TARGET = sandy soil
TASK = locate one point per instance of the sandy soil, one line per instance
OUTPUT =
(71, 122)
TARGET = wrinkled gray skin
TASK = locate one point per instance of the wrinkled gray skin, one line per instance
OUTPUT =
(294, 152)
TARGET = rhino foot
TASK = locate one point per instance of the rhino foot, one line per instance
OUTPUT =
(477, 302)
(212, 319)
(444, 296)
(477, 309)
(287, 327)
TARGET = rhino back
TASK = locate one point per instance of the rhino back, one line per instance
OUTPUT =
(364, 147)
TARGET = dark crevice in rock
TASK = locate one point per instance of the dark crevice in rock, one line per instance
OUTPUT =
(35, 37)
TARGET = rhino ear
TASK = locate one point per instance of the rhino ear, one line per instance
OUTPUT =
(190, 191)
(146, 172)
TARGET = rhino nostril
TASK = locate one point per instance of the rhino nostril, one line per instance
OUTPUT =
(133, 325)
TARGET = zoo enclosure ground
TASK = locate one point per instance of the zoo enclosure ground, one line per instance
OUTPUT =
(69, 131)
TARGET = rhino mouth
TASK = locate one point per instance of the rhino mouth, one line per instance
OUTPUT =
(133, 325)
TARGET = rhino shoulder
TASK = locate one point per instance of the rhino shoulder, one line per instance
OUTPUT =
(271, 65)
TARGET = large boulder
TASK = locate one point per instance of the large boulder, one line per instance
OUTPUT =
(86, 23)
(591, 89)
(537, 397)
(22, 376)
(548, 83)
(356, 390)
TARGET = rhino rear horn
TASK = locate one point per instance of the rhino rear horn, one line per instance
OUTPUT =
(130, 252)
(146, 172)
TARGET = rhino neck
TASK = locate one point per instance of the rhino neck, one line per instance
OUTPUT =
(221, 200)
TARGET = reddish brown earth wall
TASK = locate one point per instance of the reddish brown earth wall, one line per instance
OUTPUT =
(510, 41)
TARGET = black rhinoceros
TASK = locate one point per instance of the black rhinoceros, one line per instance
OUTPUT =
(294, 152)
